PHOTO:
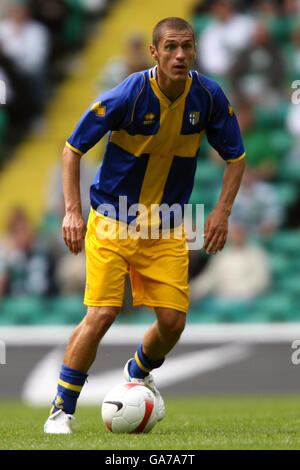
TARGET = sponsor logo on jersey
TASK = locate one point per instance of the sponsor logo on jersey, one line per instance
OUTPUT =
(149, 118)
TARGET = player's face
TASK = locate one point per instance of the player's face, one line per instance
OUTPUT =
(175, 53)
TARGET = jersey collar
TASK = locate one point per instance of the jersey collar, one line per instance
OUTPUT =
(161, 96)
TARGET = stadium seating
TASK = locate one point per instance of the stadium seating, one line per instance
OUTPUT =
(28, 173)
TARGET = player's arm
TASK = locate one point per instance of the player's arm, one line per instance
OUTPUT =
(224, 135)
(112, 110)
(73, 226)
(216, 226)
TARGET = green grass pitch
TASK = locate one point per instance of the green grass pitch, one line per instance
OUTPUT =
(262, 422)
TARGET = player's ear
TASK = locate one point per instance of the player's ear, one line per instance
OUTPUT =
(153, 52)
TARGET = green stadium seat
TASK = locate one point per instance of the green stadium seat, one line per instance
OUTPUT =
(274, 306)
(69, 309)
(289, 284)
(272, 117)
(211, 310)
(287, 192)
(202, 316)
(294, 315)
(3, 125)
(207, 172)
(200, 196)
(280, 265)
(281, 142)
(200, 22)
(290, 172)
(23, 310)
(258, 316)
(286, 242)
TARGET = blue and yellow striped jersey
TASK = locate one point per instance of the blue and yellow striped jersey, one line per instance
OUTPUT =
(153, 143)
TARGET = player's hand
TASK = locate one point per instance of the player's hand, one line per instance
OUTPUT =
(215, 231)
(73, 230)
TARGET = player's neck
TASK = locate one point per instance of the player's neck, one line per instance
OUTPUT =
(171, 89)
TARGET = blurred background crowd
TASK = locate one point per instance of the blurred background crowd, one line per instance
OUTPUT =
(252, 49)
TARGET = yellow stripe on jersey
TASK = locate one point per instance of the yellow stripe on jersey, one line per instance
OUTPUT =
(162, 146)
(169, 142)
(75, 388)
(74, 149)
(237, 159)
(141, 366)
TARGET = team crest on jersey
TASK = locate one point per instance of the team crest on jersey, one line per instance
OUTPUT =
(194, 117)
(149, 118)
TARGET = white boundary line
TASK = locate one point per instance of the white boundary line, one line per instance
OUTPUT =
(132, 334)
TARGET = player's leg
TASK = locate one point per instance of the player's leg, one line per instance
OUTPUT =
(79, 356)
(165, 332)
(105, 272)
(84, 341)
(159, 280)
(158, 341)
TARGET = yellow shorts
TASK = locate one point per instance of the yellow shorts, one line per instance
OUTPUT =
(158, 268)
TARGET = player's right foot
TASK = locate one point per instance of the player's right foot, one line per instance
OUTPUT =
(148, 382)
(58, 423)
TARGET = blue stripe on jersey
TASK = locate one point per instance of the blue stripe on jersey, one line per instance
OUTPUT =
(120, 174)
(179, 189)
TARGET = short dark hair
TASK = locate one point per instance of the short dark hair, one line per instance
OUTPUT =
(172, 22)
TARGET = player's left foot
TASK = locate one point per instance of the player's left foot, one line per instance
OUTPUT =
(148, 382)
(58, 423)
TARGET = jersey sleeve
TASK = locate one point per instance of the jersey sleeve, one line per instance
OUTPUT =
(223, 131)
(110, 111)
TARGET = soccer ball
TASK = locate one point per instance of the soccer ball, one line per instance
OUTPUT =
(129, 408)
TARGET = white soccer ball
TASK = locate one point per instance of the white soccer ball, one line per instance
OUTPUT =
(129, 408)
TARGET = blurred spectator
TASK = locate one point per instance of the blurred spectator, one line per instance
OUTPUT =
(135, 58)
(66, 20)
(25, 264)
(70, 274)
(258, 72)
(25, 43)
(279, 16)
(292, 54)
(257, 206)
(223, 38)
(52, 13)
(264, 136)
(3, 7)
(238, 273)
(17, 103)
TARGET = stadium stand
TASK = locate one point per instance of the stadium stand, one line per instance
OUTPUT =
(81, 50)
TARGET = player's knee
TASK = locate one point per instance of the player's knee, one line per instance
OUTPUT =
(177, 327)
(99, 319)
(173, 324)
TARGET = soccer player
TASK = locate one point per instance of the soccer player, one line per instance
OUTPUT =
(157, 119)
